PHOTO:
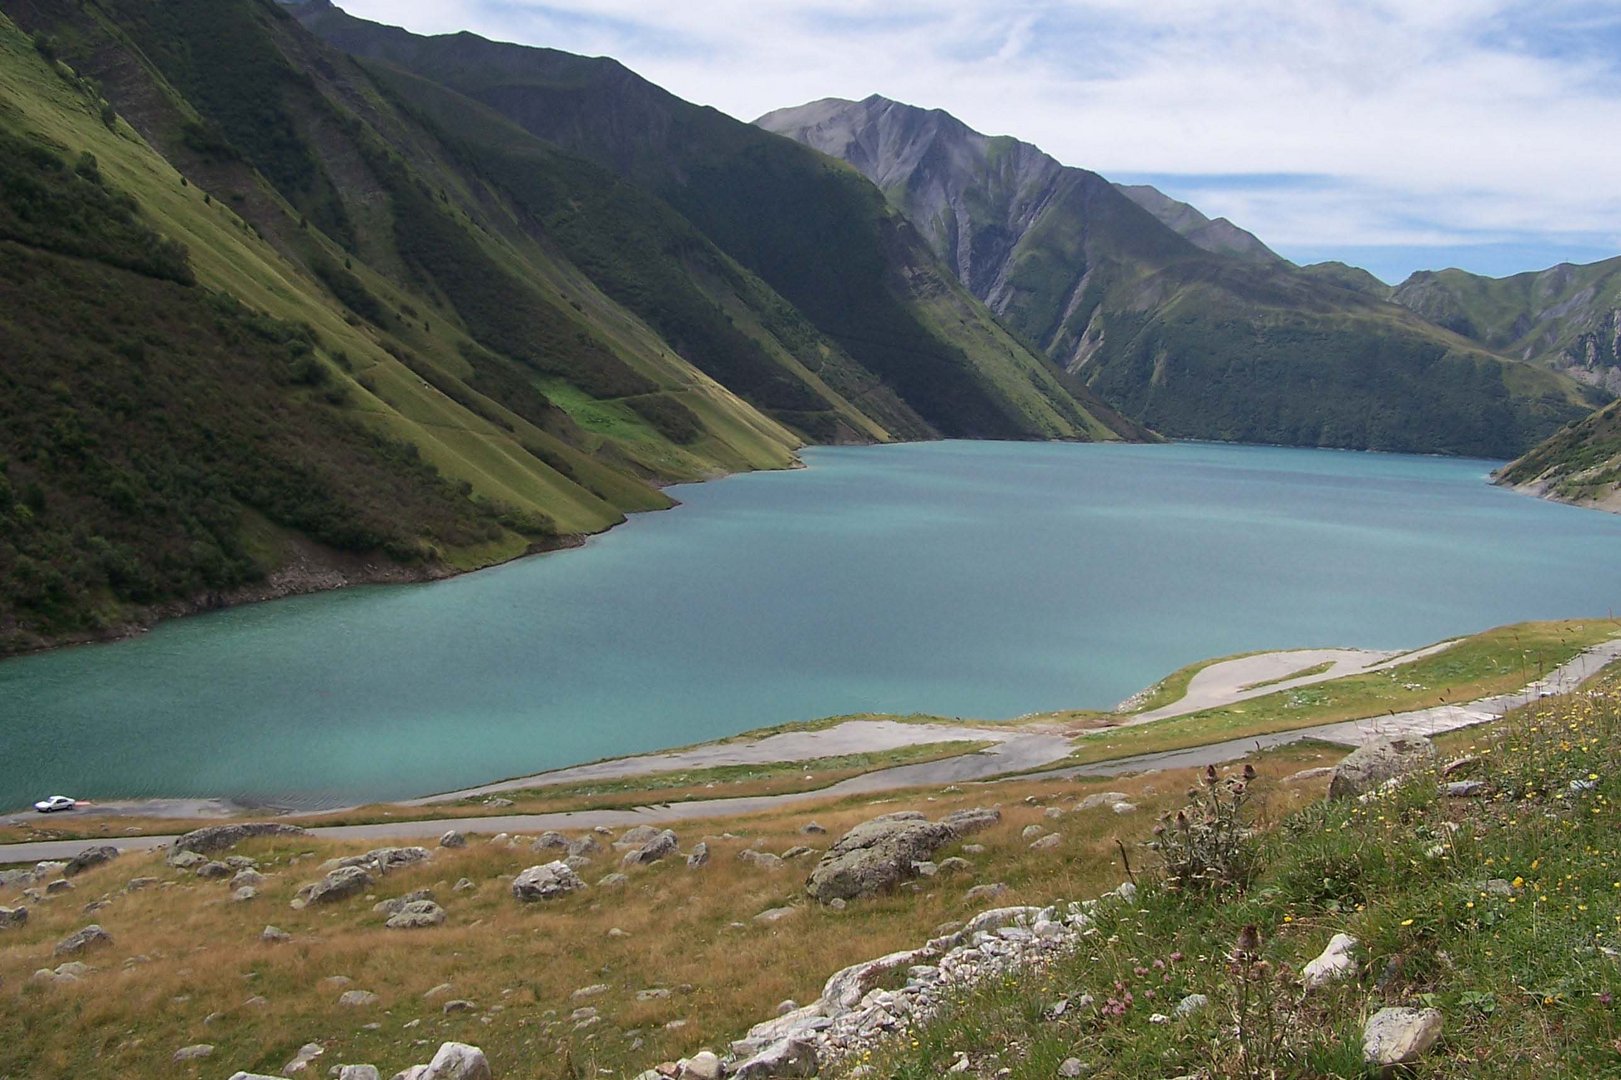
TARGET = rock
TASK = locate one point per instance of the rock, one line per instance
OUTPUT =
(548, 840)
(988, 891)
(213, 870)
(186, 860)
(59, 886)
(1102, 799)
(956, 864)
(662, 844)
(415, 915)
(463, 885)
(73, 969)
(1190, 1005)
(221, 837)
(1305, 775)
(241, 862)
(1399, 1036)
(458, 1005)
(846, 987)
(357, 999)
(1124, 808)
(459, 1061)
(91, 937)
(392, 858)
(437, 991)
(963, 822)
(547, 882)
(584, 847)
(798, 851)
(877, 855)
(787, 1057)
(452, 839)
(925, 869)
(244, 894)
(612, 881)
(765, 860)
(1334, 962)
(576, 862)
(195, 1052)
(811, 828)
(1047, 843)
(636, 837)
(703, 1065)
(1030, 832)
(698, 856)
(1053, 813)
(398, 903)
(616, 932)
(786, 1006)
(274, 935)
(657, 993)
(91, 856)
(340, 884)
(1378, 761)
(13, 917)
(775, 915)
(138, 883)
(1466, 789)
(585, 992)
(358, 1072)
(1072, 1067)
(248, 878)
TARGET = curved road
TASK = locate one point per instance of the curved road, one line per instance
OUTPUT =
(1016, 754)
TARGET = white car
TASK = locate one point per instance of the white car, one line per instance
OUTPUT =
(54, 803)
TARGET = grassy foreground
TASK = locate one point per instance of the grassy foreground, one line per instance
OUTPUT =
(1503, 911)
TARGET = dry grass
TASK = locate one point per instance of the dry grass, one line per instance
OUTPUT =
(688, 931)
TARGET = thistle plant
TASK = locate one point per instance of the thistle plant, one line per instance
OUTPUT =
(1208, 844)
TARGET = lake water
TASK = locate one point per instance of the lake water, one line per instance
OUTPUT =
(965, 579)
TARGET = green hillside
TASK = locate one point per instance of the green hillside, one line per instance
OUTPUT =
(1580, 464)
(814, 232)
(1192, 342)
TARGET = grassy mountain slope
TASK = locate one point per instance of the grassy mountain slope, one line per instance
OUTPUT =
(1216, 235)
(1580, 464)
(1566, 317)
(1191, 342)
(221, 400)
(814, 232)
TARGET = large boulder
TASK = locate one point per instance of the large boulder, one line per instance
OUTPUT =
(547, 882)
(660, 845)
(459, 1061)
(1378, 761)
(877, 855)
(91, 856)
(91, 937)
(221, 837)
(340, 884)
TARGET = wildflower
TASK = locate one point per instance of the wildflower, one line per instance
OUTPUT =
(1248, 945)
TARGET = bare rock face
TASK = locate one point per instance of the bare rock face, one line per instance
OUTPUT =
(91, 856)
(547, 882)
(221, 837)
(877, 855)
(1376, 762)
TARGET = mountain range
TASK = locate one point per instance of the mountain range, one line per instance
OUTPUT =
(291, 299)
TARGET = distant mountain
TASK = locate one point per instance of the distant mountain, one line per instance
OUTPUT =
(1566, 317)
(818, 235)
(1350, 277)
(1193, 342)
(1211, 234)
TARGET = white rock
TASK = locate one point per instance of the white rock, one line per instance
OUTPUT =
(459, 1061)
(1334, 962)
(1398, 1036)
(704, 1065)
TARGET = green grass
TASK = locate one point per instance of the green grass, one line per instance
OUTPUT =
(1522, 972)
(1495, 662)
(1305, 672)
(1174, 687)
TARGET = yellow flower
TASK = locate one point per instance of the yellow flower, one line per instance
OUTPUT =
(1407, 922)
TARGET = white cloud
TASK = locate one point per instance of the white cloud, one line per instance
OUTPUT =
(1437, 122)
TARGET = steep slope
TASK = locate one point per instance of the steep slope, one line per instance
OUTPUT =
(208, 397)
(1580, 464)
(1191, 342)
(1216, 235)
(1566, 317)
(814, 232)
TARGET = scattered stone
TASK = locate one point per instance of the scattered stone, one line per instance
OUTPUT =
(463, 885)
(787, 1057)
(241, 862)
(59, 886)
(398, 903)
(357, 999)
(1333, 963)
(1305, 775)
(585, 847)
(16, 879)
(416, 915)
(91, 937)
(811, 828)
(1073, 1067)
(798, 851)
(1047, 843)
(657, 993)
(636, 836)
(703, 1065)
(213, 870)
(1399, 1036)
(274, 935)
(438, 991)
(1101, 799)
(195, 1052)
(247, 878)
(925, 869)
(698, 856)
(786, 1006)
(91, 856)
(548, 840)
(340, 884)
(972, 820)
(612, 881)
(335, 981)
(221, 837)
(358, 1072)
(1465, 789)
(459, 1061)
(585, 992)
(186, 860)
(1124, 808)
(13, 917)
(1053, 813)
(1030, 832)
(301, 1061)
(547, 882)
(244, 894)
(765, 860)
(458, 1005)
(452, 839)
(257, 1001)
(956, 864)
(877, 855)
(616, 932)
(660, 845)
(1457, 765)
(576, 862)
(1379, 761)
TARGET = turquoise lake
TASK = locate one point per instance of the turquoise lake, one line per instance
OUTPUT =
(958, 578)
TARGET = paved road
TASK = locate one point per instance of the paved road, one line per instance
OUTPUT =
(1020, 754)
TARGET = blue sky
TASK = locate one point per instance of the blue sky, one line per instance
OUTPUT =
(1395, 135)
